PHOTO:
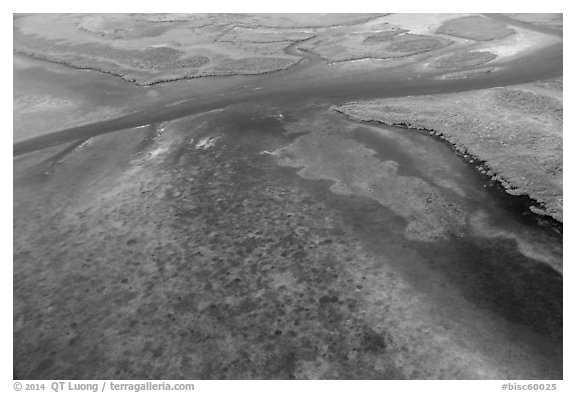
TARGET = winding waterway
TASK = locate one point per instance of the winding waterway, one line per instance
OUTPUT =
(312, 79)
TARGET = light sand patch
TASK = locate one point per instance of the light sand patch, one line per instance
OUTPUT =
(158, 151)
(468, 74)
(206, 142)
(428, 159)
(38, 103)
(41, 113)
(356, 171)
(523, 41)
(420, 23)
(554, 21)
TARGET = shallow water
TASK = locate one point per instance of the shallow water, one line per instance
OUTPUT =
(204, 221)
(497, 274)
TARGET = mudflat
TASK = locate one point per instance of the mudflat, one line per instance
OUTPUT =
(515, 131)
(360, 197)
(149, 49)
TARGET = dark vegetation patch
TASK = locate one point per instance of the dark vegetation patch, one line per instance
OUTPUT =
(463, 59)
(140, 66)
(487, 129)
(99, 54)
(147, 66)
(529, 103)
(253, 64)
(476, 28)
(414, 43)
(383, 36)
(382, 45)
(188, 62)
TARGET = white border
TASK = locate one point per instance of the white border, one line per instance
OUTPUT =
(6, 383)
